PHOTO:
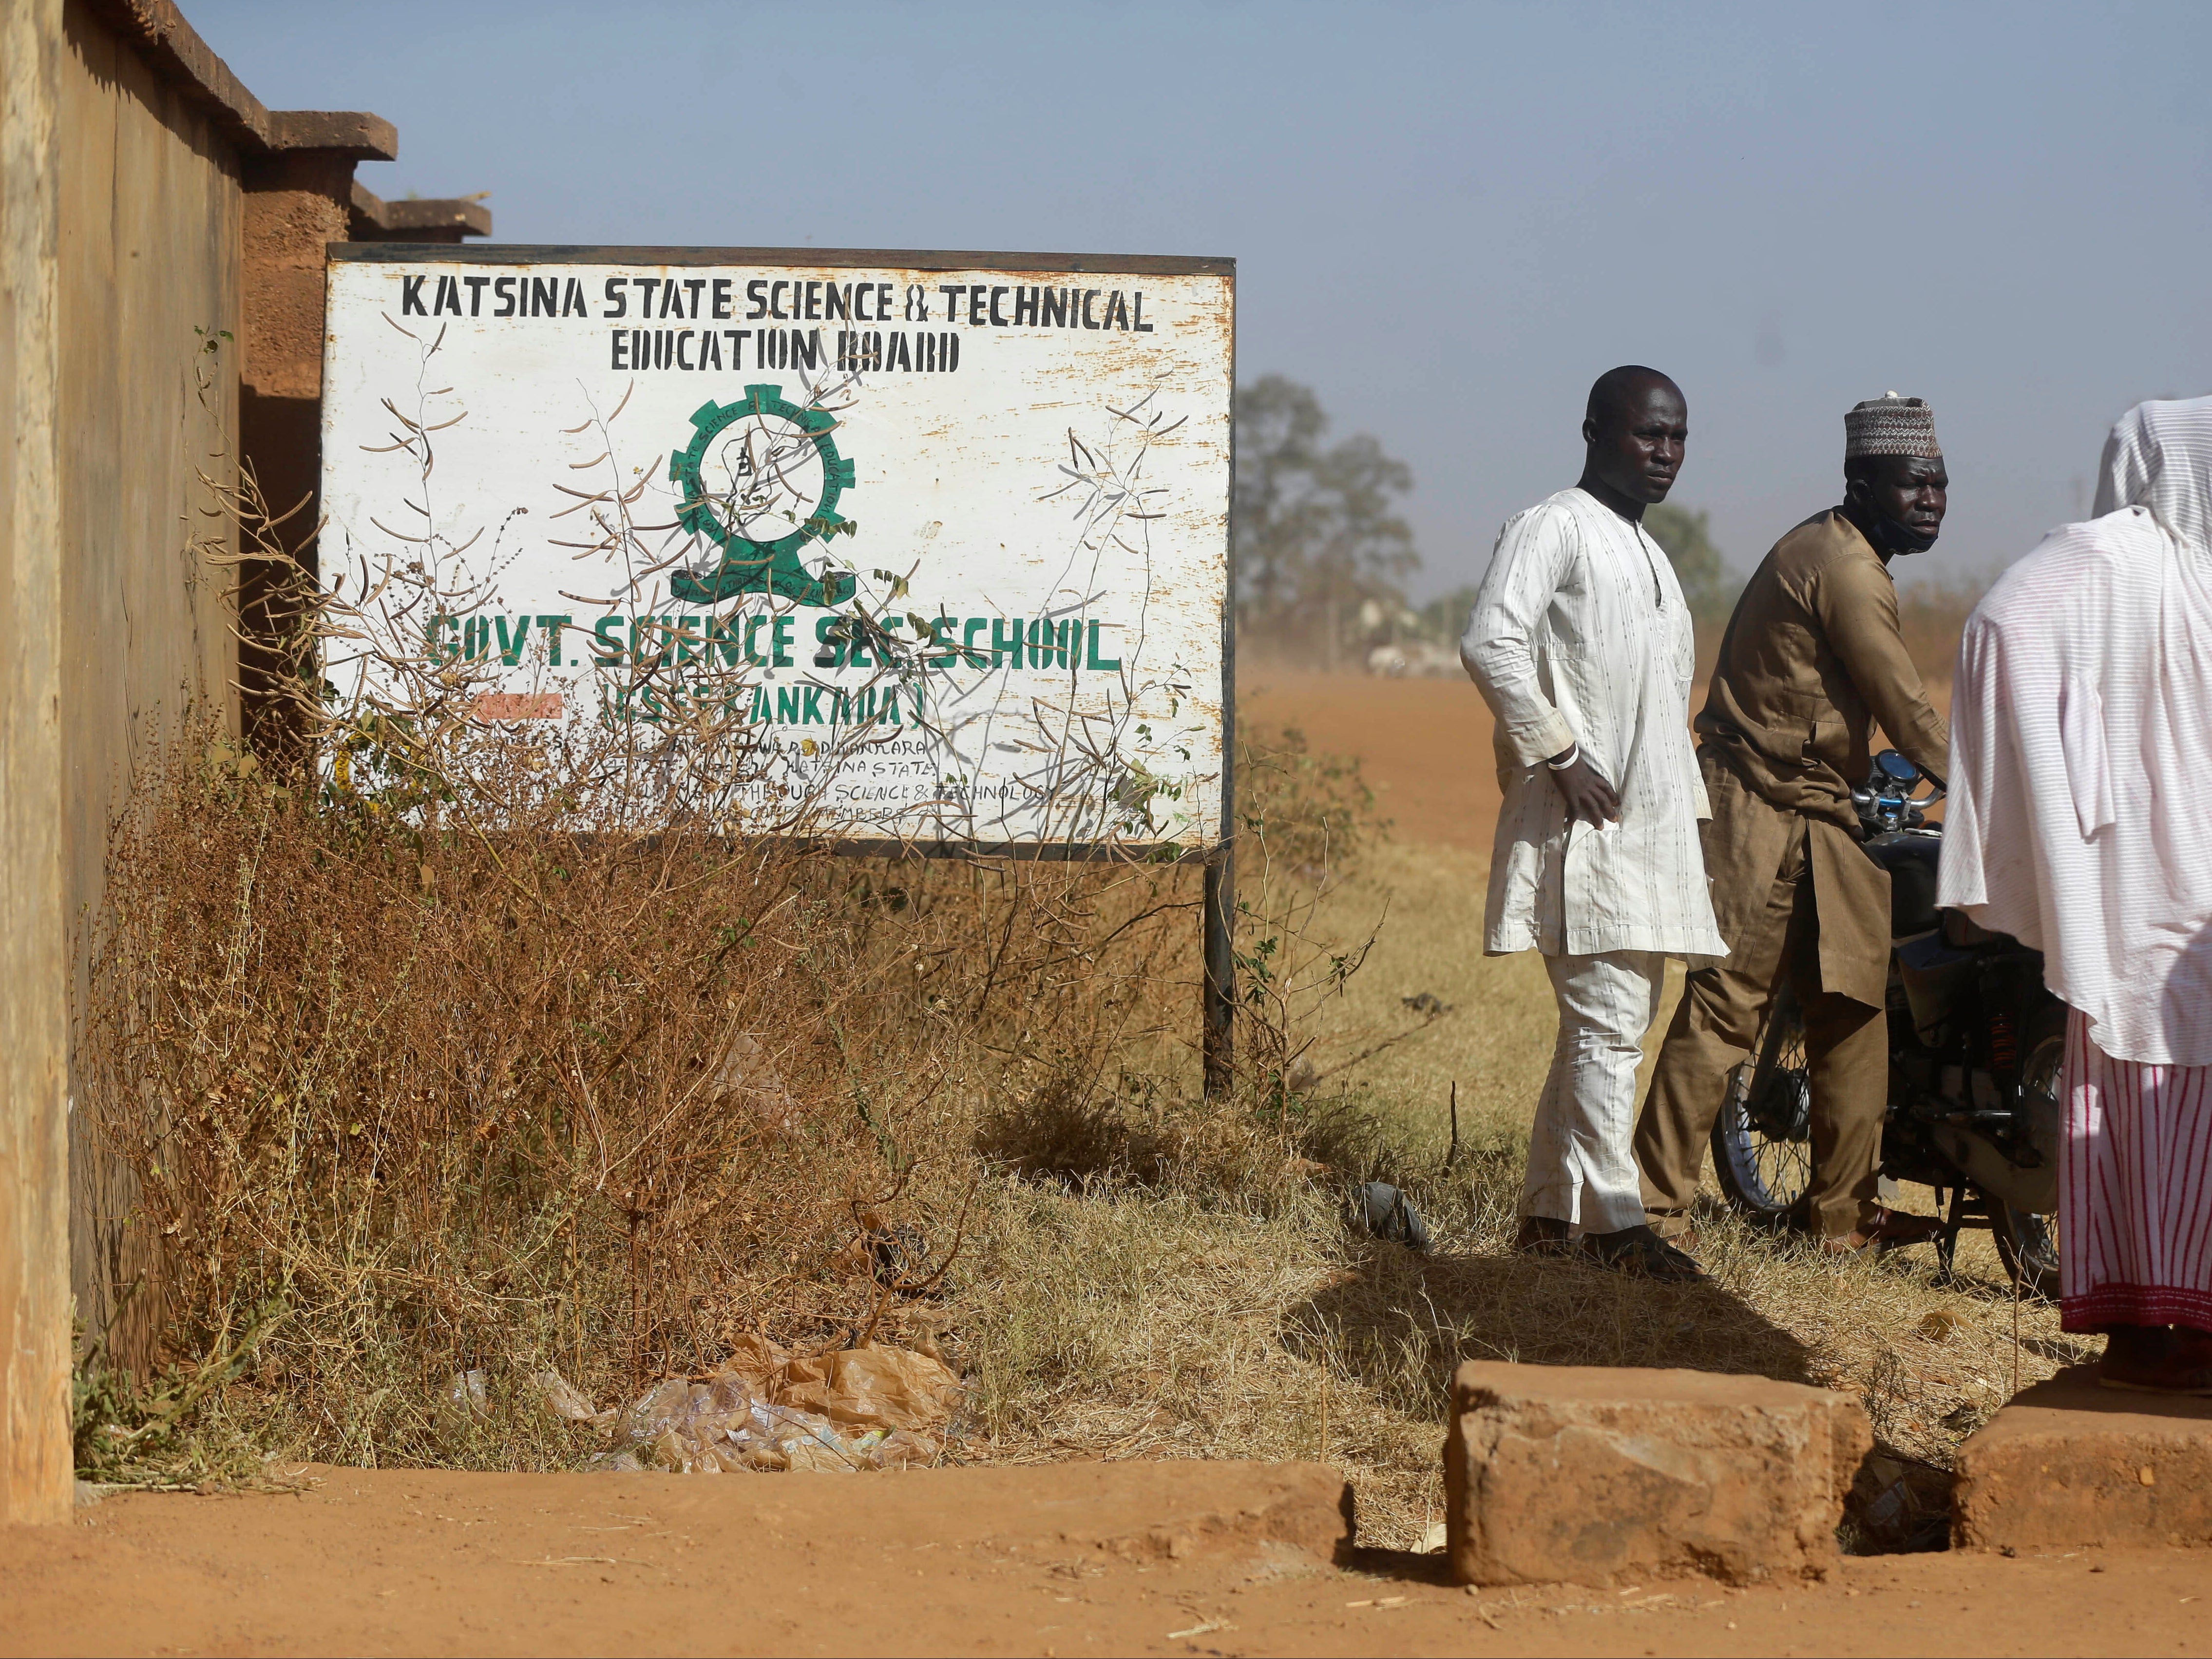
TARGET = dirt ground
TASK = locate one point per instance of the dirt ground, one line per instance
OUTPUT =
(1075, 1558)
(1424, 745)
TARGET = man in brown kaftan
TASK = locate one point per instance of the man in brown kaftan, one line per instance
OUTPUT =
(1812, 659)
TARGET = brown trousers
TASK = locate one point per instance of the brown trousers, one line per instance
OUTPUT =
(1846, 1048)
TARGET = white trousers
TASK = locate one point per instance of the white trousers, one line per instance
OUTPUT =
(1581, 1169)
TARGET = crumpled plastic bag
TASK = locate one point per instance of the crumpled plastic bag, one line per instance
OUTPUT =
(865, 1408)
(1381, 1209)
(873, 1387)
(566, 1400)
(758, 1435)
(758, 1361)
(465, 1400)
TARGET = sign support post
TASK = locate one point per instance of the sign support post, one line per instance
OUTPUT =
(1220, 904)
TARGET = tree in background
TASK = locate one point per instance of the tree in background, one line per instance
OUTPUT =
(1444, 619)
(1708, 585)
(1318, 534)
(1321, 551)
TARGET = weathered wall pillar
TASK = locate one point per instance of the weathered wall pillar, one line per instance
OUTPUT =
(297, 202)
(35, 1464)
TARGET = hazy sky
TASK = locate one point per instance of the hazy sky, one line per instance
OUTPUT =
(1447, 219)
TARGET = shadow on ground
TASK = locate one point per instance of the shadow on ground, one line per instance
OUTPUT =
(1404, 1566)
(1401, 1322)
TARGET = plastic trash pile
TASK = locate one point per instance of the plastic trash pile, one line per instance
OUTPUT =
(876, 1407)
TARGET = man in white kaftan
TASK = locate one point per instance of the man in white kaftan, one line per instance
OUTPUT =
(1581, 642)
(2080, 755)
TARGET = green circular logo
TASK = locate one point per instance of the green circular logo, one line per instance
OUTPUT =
(762, 478)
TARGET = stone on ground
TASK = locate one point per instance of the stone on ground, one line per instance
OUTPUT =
(2070, 1464)
(1589, 1474)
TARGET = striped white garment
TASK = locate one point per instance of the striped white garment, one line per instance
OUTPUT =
(2134, 1183)
(1579, 635)
(1582, 1168)
(2082, 748)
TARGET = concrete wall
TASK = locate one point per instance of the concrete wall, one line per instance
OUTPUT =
(161, 259)
(35, 1301)
(151, 205)
(162, 238)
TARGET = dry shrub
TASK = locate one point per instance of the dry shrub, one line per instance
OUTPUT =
(413, 1089)
(459, 1053)
(1309, 815)
(1076, 1132)
(1115, 1097)
(457, 1100)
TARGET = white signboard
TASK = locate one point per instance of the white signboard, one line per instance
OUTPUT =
(945, 537)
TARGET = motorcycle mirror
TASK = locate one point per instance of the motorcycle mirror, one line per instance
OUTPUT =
(1896, 768)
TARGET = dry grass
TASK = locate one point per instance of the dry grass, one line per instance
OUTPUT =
(403, 1107)
(411, 1090)
(1931, 1361)
(1242, 1318)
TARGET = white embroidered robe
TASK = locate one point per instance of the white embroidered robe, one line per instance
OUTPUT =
(1579, 635)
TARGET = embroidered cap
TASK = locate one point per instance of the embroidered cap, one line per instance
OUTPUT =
(1891, 425)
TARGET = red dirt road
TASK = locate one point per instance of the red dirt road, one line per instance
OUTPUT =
(1424, 745)
(1074, 1558)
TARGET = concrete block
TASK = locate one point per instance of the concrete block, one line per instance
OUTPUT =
(1587, 1474)
(2070, 1463)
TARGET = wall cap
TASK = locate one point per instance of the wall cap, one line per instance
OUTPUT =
(174, 51)
(471, 218)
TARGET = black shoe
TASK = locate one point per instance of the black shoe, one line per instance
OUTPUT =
(1889, 1230)
(2150, 1360)
(1641, 1254)
(1681, 1231)
(1540, 1235)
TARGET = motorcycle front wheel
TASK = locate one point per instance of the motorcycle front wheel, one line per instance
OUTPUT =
(2027, 1244)
(1762, 1138)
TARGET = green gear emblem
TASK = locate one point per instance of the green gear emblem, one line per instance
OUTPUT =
(758, 567)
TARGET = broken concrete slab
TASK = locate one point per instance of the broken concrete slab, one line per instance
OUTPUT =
(1587, 1474)
(2070, 1463)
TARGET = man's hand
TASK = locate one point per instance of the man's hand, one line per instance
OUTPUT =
(1588, 796)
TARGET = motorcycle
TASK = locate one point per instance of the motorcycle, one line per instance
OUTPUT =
(1975, 1047)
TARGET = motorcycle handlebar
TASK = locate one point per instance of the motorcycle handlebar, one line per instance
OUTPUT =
(1886, 803)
